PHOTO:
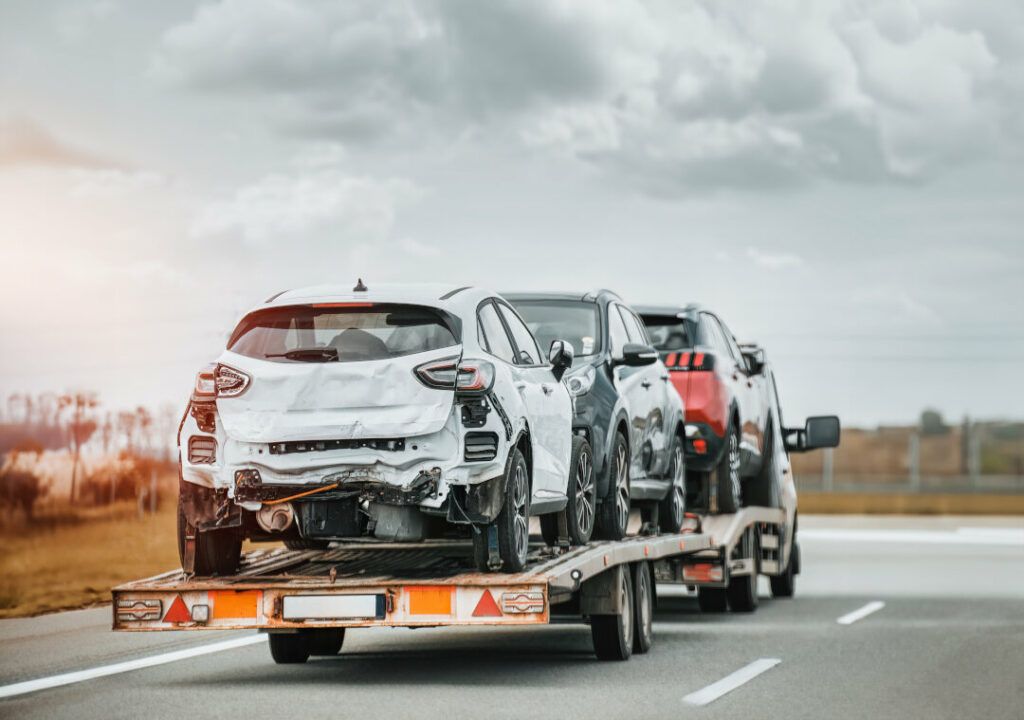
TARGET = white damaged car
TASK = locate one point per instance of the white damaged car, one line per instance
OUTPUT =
(400, 413)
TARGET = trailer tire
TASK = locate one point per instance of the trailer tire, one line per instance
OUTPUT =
(712, 599)
(306, 544)
(784, 585)
(326, 642)
(613, 513)
(290, 649)
(513, 522)
(613, 634)
(727, 474)
(742, 589)
(643, 593)
(581, 507)
(672, 508)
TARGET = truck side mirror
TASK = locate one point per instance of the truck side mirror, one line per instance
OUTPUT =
(818, 432)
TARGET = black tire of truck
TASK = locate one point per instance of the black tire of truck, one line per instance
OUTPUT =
(217, 552)
(742, 590)
(612, 635)
(581, 507)
(513, 522)
(727, 474)
(712, 600)
(784, 585)
(326, 642)
(291, 648)
(643, 608)
(672, 508)
(613, 512)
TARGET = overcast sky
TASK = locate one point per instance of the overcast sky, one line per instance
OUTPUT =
(841, 181)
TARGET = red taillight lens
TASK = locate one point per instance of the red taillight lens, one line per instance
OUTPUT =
(690, 361)
(215, 381)
(438, 374)
(475, 376)
(469, 376)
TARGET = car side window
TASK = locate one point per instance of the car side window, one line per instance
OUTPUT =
(529, 353)
(730, 344)
(495, 338)
(711, 334)
(636, 330)
(617, 334)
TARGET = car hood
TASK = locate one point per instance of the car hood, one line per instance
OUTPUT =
(334, 400)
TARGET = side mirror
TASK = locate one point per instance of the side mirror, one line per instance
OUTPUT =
(635, 354)
(560, 356)
(755, 359)
(818, 432)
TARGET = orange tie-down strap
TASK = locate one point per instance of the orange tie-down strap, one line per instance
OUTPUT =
(325, 488)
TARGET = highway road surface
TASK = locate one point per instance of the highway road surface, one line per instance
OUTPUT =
(894, 618)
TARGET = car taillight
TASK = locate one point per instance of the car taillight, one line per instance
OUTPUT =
(690, 360)
(215, 381)
(470, 377)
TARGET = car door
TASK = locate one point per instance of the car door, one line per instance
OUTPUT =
(549, 406)
(654, 383)
(633, 384)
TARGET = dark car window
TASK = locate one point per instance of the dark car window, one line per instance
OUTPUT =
(668, 332)
(342, 333)
(617, 335)
(573, 321)
(634, 328)
(496, 340)
(734, 347)
(529, 353)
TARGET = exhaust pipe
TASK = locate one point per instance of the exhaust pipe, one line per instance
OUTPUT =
(275, 518)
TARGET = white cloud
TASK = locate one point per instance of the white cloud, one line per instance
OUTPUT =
(773, 261)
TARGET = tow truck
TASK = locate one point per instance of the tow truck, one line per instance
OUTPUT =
(306, 599)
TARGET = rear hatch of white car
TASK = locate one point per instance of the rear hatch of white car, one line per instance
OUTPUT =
(330, 371)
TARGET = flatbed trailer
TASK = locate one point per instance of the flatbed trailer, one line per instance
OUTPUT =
(306, 598)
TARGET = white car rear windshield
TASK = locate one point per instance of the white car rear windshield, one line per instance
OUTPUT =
(342, 333)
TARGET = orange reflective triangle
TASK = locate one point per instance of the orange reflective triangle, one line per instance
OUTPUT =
(487, 607)
(177, 612)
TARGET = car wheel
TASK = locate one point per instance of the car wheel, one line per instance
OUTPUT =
(727, 475)
(581, 505)
(712, 600)
(613, 634)
(643, 595)
(742, 590)
(326, 642)
(512, 525)
(217, 552)
(763, 489)
(306, 544)
(672, 508)
(784, 585)
(613, 513)
(290, 649)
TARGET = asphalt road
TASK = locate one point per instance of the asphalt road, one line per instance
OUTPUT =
(933, 627)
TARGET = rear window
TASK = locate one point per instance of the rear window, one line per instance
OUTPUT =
(346, 333)
(669, 332)
(572, 321)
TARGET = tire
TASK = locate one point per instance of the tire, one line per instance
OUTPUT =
(581, 507)
(218, 552)
(763, 489)
(672, 508)
(613, 634)
(513, 522)
(613, 513)
(784, 585)
(742, 590)
(727, 474)
(306, 544)
(643, 604)
(326, 642)
(712, 600)
(290, 649)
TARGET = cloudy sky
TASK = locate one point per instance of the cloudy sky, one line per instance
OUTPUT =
(841, 180)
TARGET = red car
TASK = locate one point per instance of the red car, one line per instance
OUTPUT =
(728, 391)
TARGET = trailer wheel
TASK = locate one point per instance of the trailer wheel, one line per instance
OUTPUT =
(672, 508)
(290, 649)
(613, 513)
(513, 522)
(784, 585)
(742, 590)
(643, 592)
(613, 634)
(712, 600)
(326, 642)
(581, 507)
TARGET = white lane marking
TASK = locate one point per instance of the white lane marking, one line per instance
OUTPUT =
(730, 682)
(1007, 537)
(30, 686)
(860, 613)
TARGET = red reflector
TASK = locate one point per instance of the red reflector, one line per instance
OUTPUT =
(700, 445)
(487, 607)
(698, 360)
(177, 612)
(670, 360)
(684, 360)
(341, 305)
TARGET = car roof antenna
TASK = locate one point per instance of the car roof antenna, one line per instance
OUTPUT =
(359, 286)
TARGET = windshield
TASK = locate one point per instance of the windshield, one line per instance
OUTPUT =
(569, 320)
(669, 332)
(342, 333)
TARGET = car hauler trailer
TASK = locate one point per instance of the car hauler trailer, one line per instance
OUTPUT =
(306, 598)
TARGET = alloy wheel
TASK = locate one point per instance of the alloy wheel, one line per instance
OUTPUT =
(622, 487)
(522, 522)
(734, 465)
(584, 494)
(626, 618)
(678, 486)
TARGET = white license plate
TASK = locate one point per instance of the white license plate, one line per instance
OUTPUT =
(329, 607)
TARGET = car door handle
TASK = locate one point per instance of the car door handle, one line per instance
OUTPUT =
(645, 384)
(520, 386)
(548, 389)
(663, 378)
